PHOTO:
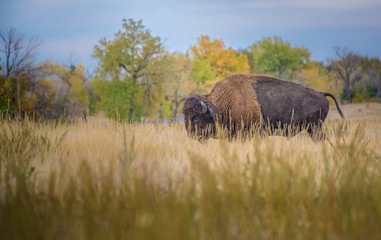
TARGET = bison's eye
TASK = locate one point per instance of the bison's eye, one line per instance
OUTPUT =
(196, 120)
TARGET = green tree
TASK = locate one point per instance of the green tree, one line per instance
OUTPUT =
(372, 70)
(94, 98)
(136, 58)
(203, 76)
(117, 98)
(275, 57)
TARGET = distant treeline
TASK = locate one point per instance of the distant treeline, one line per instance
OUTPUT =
(137, 78)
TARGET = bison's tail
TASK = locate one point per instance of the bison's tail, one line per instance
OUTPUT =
(337, 105)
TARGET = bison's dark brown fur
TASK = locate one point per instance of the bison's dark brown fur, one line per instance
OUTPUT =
(243, 102)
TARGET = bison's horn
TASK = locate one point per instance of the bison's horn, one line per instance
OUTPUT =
(204, 107)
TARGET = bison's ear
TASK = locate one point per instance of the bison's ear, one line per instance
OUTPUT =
(212, 113)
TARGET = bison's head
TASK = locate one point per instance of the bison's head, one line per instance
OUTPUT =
(199, 117)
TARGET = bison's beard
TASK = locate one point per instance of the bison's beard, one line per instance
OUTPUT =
(203, 134)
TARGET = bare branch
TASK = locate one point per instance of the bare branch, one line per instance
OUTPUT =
(18, 54)
(347, 68)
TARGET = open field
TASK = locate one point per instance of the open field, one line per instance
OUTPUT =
(108, 180)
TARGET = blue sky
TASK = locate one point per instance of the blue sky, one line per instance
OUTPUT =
(69, 29)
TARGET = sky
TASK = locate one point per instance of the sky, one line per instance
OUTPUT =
(69, 29)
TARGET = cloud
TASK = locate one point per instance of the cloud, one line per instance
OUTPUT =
(49, 3)
(324, 4)
(74, 26)
(79, 45)
(67, 51)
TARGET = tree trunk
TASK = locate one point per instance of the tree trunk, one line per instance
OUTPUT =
(175, 111)
(84, 115)
(348, 90)
(176, 106)
(18, 99)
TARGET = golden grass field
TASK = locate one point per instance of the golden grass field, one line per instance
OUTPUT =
(109, 180)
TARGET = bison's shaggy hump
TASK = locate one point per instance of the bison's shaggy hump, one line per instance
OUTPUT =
(235, 101)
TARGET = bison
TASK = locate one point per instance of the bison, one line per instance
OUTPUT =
(243, 102)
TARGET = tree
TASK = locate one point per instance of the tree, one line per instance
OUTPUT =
(223, 61)
(348, 70)
(372, 69)
(117, 98)
(275, 57)
(41, 98)
(315, 77)
(18, 60)
(71, 99)
(18, 55)
(178, 85)
(203, 76)
(250, 58)
(34, 98)
(137, 58)
(11, 100)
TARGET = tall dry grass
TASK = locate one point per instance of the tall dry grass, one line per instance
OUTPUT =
(108, 180)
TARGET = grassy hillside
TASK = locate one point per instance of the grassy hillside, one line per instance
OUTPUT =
(107, 180)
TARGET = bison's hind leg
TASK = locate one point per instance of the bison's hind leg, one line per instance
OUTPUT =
(316, 133)
(315, 124)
